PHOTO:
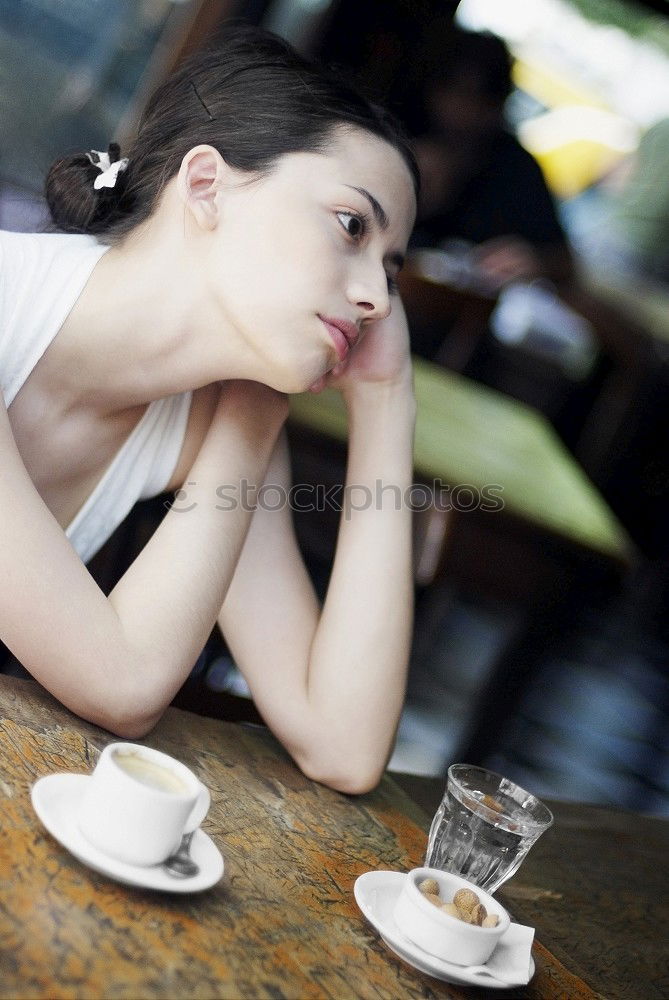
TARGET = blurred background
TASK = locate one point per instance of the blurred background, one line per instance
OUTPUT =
(538, 283)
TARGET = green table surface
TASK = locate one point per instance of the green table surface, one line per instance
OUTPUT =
(469, 434)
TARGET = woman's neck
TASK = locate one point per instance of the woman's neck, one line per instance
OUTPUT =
(140, 330)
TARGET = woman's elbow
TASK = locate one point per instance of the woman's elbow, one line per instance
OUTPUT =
(351, 777)
(131, 726)
(126, 723)
(353, 784)
(129, 716)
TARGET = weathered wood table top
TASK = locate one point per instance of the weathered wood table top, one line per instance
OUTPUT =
(282, 923)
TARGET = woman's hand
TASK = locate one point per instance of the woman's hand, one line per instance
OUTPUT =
(381, 356)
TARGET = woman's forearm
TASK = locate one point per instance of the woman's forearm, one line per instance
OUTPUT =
(359, 655)
(168, 600)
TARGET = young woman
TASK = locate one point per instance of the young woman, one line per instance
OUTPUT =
(246, 249)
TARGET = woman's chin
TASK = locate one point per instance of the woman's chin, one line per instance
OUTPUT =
(294, 384)
(297, 378)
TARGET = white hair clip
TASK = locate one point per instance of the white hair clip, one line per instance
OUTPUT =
(108, 171)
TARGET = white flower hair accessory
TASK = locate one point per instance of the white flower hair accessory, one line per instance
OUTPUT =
(109, 164)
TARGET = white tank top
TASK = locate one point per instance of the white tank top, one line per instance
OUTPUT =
(41, 277)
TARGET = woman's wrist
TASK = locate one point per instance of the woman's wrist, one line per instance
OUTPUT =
(257, 411)
(397, 392)
(242, 432)
(381, 420)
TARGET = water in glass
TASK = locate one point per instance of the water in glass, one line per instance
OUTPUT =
(484, 826)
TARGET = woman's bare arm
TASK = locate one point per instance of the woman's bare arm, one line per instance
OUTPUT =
(118, 661)
(331, 683)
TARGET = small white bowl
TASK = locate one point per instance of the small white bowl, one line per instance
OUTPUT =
(439, 933)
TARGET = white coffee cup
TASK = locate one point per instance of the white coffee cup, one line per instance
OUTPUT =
(139, 803)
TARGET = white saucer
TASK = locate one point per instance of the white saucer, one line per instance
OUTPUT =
(56, 800)
(376, 894)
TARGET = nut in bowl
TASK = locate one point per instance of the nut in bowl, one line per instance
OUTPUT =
(446, 921)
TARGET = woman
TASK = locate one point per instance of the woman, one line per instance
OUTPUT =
(251, 238)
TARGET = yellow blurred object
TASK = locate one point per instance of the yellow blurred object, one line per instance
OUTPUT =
(550, 89)
(577, 140)
(575, 166)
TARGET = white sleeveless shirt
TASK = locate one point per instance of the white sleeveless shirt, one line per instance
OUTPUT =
(41, 278)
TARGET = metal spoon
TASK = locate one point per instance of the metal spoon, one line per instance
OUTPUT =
(180, 864)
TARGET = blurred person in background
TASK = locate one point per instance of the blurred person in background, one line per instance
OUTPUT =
(479, 187)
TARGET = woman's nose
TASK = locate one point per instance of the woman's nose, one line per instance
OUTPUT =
(370, 294)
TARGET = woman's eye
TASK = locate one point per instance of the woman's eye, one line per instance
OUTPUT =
(353, 224)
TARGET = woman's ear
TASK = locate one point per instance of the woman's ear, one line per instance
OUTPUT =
(199, 181)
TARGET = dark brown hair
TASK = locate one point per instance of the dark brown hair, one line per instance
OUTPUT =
(252, 97)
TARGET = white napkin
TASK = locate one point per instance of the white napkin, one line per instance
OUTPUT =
(510, 961)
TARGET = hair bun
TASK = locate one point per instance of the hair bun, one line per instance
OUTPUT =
(75, 205)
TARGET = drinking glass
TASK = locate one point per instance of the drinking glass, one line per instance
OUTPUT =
(484, 826)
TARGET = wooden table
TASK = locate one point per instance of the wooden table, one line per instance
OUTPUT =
(283, 922)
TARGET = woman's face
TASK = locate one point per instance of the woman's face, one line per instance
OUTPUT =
(302, 260)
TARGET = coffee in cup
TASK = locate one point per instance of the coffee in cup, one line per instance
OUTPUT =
(139, 803)
(149, 773)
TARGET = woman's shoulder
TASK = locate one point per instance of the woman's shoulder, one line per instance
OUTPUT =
(31, 259)
(42, 264)
(45, 245)
(41, 275)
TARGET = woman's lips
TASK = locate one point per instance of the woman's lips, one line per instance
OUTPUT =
(342, 333)
(338, 339)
